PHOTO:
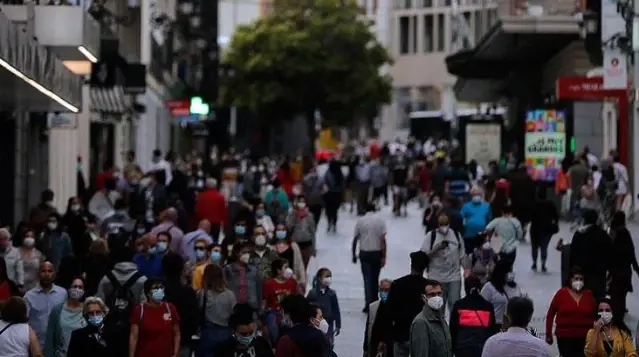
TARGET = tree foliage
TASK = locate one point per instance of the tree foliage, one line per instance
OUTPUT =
(304, 57)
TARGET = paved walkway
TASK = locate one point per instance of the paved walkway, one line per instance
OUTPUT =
(405, 235)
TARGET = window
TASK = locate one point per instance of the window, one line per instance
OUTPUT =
(403, 99)
(441, 33)
(427, 3)
(429, 98)
(413, 32)
(478, 24)
(429, 33)
(407, 4)
(403, 35)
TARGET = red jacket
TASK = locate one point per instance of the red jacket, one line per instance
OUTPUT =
(211, 206)
(286, 181)
(572, 320)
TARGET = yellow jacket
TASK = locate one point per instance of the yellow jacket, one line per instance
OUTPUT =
(622, 344)
(198, 273)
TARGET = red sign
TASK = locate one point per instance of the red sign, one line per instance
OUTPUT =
(585, 88)
(178, 107)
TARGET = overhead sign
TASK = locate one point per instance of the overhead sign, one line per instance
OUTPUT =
(545, 143)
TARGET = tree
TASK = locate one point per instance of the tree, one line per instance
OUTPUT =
(305, 57)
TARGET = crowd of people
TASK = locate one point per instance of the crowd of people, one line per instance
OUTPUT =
(210, 257)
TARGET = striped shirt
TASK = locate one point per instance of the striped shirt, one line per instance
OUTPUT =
(370, 229)
(516, 342)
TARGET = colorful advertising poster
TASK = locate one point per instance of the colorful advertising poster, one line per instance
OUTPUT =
(545, 143)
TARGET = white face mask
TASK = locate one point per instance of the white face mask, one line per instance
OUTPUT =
(327, 281)
(486, 245)
(577, 285)
(444, 229)
(301, 205)
(245, 258)
(510, 277)
(260, 240)
(606, 316)
(52, 226)
(29, 242)
(435, 302)
(476, 199)
(288, 273)
(323, 326)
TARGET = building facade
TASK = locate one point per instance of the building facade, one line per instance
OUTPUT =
(421, 33)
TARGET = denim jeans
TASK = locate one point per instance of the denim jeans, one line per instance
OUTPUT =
(452, 293)
(371, 263)
(273, 326)
(211, 336)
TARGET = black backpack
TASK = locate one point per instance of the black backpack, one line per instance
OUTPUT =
(121, 300)
(432, 239)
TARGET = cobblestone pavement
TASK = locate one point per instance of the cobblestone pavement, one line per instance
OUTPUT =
(405, 235)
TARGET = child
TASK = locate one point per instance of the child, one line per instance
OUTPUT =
(326, 298)
(273, 292)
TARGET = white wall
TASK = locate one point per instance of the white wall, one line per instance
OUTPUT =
(234, 13)
(152, 129)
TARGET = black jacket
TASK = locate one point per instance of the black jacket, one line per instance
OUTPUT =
(231, 348)
(404, 303)
(89, 341)
(589, 245)
(184, 299)
(472, 322)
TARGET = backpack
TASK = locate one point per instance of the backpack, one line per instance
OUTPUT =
(434, 232)
(121, 300)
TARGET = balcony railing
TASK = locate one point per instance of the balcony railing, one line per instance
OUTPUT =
(536, 8)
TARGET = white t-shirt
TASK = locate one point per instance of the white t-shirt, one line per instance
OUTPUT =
(621, 174)
(163, 165)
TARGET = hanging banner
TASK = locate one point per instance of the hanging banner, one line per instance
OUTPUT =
(615, 64)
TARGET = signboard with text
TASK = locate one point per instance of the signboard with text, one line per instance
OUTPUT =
(545, 143)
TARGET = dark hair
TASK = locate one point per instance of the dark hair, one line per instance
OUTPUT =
(418, 260)
(277, 264)
(213, 278)
(618, 220)
(318, 275)
(575, 271)
(297, 307)
(150, 282)
(472, 285)
(242, 315)
(617, 316)
(120, 204)
(166, 234)
(499, 275)
(433, 283)
(14, 311)
(172, 265)
(590, 217)
(46, 195)
(519, 310)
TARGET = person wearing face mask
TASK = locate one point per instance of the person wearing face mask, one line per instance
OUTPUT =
(290, 251)
(75, 222)
(429, 333)
(245, 342)
(190, 239)
(54, 243)
(500, 288)
(194, 269)
(149, 262)
(609, 337)
(320, 323)
(31, 259)
(476, 215)
(102, 202)
(375, 339)
(326, 299)
(571, 311)
(302, 229)
(263, 219)
(117, 227)
(472, 321)
(169, 224)
(93, 336)
(431, 214)
(446, 252)
(243, 278)
(64, 319)
(510, 232)
(262, 256)
(301, 337)
(274, 290)
(483, 260)
(155, 325)
(39, 214)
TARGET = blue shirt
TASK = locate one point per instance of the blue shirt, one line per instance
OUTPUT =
(151, 267)
(188, 242)
(39, 306)
(476, 217)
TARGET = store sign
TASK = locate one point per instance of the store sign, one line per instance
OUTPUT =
(483, 143)
(545, 143)
(62, 121)
(615, 65)
(178, 107)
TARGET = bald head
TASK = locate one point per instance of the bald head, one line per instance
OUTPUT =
(170, 214)
(205, 225)
(47, 274)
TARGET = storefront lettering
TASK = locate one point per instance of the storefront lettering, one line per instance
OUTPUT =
(547, 146)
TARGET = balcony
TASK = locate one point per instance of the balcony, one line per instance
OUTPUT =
(68, 31)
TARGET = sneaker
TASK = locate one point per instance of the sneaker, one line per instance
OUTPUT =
(534, 267)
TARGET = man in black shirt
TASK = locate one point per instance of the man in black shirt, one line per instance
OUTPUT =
(404, 303)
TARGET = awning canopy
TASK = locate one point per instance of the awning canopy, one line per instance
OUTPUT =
(110, 101)
(513, 44)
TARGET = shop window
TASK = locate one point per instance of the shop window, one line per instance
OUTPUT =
(429, 33)
(441, 33)
(403, 35)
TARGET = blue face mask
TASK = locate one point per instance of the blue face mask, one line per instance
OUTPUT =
(96, 320)
(200, 254)
(280, 234)
(161, 247)
(157, 295)
(260, 213)
(245, 340)
(383, 295)
(476, 199)
(216, 256)
(240, 230)
(153, 250)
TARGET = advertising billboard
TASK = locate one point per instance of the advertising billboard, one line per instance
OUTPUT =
(545, 143)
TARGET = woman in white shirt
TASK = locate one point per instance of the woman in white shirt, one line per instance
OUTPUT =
(623, 183)
(17, 339)
(499, 289)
